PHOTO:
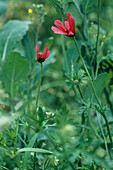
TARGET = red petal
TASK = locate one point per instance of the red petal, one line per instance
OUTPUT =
(37, 48)
(46, 53)
(71, 22)
(67, 26)
(57, 31)
(60, 25)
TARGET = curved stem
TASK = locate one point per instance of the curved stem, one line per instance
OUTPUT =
(91, 82)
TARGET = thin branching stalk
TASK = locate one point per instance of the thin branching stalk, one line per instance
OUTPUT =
(91, 82)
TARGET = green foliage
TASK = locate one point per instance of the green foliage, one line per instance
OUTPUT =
(13, 31)
(71, 56)
(32, 150)
(14, 72)
(99, 85)
(57, 5)
(28, 50)
(27, 154)
(74, 9)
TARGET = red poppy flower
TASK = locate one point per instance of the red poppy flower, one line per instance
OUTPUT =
(42, 57)
(68, 29)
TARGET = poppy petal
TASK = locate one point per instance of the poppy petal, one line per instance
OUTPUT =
(67, 26)
(57, 31)
(37, 48)
(71, 22)
(47, 55)
(45, 52)
(60, 25)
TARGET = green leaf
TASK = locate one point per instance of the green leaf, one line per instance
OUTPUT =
(71, 55)
(3, 6)
(33, 150)
(99, 86)
(13, 31)
(27, 154)
(74, 10)
(87, 5)
(14, 72)
(57, 6)
(29, 51)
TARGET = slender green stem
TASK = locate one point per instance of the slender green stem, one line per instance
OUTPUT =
(80, 92)
(96, 48)
(83, 113)
(37, 97)
(34, 162)
(35, 115)
(17, 163)
(106, 146)
(91, 82)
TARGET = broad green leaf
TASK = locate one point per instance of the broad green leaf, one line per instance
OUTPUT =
(75, 11)
(87, 5)
(13, 31)
(57, 6)
(33, 150)
(71, 56)
(3, 6)
(99, 84)
(29, 51)
(14, 72)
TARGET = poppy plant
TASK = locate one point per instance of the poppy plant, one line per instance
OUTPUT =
(68, 29)
(42, 57)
